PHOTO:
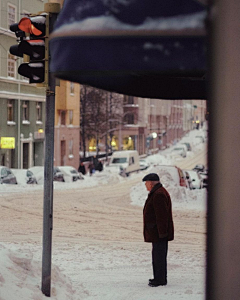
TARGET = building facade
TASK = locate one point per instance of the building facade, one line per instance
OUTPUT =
(67, 110)
(150, 125)
(22, 106)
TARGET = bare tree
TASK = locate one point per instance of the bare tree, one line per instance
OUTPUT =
(100, 113)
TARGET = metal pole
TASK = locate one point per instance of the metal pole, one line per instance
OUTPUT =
(223, 267)
(48, 177)
(48, 192)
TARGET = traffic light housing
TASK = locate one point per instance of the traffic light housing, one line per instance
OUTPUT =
(32, 35)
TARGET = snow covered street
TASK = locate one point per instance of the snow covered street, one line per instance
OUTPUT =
(98, 248)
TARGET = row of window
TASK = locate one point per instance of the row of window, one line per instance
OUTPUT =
(12, 13)
(25, 111)
(63, 117)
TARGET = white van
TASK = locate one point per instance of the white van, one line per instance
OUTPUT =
(127, 161)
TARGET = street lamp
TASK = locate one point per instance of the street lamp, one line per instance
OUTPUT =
(154, 135)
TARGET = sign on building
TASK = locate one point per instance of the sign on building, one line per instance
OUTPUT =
(7, 143)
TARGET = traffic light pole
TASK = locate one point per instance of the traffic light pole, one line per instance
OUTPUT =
(48, 172)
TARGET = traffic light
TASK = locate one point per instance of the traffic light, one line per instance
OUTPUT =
(32, 35)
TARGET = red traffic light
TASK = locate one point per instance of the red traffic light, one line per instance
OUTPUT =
(33, 25)
(32, 33)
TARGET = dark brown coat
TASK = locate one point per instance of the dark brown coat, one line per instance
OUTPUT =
(157, 215)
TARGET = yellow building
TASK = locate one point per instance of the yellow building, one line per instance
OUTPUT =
(67, 118)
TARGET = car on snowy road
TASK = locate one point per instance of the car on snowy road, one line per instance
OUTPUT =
(58, 175)
(7, 176)
(188, 145)
(204, 176)
(175, 172)
(38, 173)
(194, 179)
(180, 150)
(70, 173)
(199, 168)
(143, 164)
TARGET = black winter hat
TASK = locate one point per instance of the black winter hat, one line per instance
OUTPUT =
(151, 177)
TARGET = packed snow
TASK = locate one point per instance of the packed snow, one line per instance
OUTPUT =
(106, 260)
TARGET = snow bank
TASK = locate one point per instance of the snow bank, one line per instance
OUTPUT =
(182, 198)
(20, 275)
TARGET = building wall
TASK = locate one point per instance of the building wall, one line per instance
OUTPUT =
(29, 136)
(67, 111)
(155, 124)
(162, 123)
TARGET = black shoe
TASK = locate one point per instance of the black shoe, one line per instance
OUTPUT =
(155, 283)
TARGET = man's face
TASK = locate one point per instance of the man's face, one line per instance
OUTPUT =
(148, 185)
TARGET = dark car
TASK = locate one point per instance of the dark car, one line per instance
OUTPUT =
(7, 176)
(199, 168)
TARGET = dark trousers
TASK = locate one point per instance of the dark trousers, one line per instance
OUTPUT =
(159, 261)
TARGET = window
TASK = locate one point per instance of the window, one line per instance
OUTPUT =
(11, 15)
(63, 117)
(25, 108)
(130, 100)
(11, 65)
(70, 149)
(70, 112)
(71, 87)
(39, 111)
(119, 160)
(4, 172)
(131, 161)
(129, 119)
(10, 111)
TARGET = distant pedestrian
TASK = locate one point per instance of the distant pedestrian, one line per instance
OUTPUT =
(100, 166)
(82, 169)
(95, 162)
(91, 168)
(158, 227)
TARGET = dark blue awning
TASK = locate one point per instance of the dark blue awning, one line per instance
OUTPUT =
(145, 48)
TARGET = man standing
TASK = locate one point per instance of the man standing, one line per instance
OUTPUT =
(158, 226)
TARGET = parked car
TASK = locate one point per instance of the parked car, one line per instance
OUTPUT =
(204, 176)
(30, 178)
(180, 150)
(126, 161)
(7, 176)
(143, 164)
(187, 178)
(200, 138)
(188, 145)
(175, 172)
(70, 172)
(58, 175)
(38, 172)
(194, 179)
(199, 168)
